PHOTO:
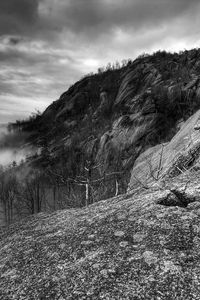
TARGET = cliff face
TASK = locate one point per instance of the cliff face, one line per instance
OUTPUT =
(111, 118)
(181, 154)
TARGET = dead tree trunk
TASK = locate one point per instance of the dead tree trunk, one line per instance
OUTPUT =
(116, 188)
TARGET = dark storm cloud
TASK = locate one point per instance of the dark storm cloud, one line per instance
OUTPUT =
(14, 40)
(40, 17)
(100, 16)
(17, 15)
(46, 45)
(91, 17)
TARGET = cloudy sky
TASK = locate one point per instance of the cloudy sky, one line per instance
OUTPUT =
(46, 45)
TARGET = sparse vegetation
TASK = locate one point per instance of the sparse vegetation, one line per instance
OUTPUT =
(92, 121)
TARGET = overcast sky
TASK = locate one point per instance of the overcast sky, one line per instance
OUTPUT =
(46, 45)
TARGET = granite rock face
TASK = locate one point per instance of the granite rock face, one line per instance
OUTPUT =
(182, 153)
(134, 246)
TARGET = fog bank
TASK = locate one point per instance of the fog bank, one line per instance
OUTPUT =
(12, 146)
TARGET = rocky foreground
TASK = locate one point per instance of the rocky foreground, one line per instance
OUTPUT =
(143, 245)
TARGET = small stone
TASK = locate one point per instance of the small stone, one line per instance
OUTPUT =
(119, 233)
(86, 243)
(182, 255)
(83, 229)
(104, 273)
(91, 236)
(185, 217)
(142, 246)
(149, 257)
(135, 257)
(169, 266)
(111, 271)
(138, 237)
(62, 246)
(162, 241)
(160, 215)
(121, 217)
(152, 279)
(123, 244)
(96, 266)
(165, 226)
(135, 247)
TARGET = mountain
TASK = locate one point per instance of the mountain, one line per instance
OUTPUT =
(107, 120)
(129, 135)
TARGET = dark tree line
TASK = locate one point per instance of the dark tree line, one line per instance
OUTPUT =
(24, 192)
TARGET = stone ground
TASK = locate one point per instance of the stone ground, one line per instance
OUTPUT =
(127, 247)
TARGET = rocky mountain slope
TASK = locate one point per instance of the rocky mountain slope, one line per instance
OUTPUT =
(108, 119)
(143, 245)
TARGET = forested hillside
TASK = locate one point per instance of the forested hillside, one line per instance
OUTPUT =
(90, 138)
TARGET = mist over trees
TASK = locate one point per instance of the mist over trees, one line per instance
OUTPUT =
(25, 190)
(62, 169)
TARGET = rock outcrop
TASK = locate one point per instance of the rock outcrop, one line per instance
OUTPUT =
(182, 153)
(140, 246)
